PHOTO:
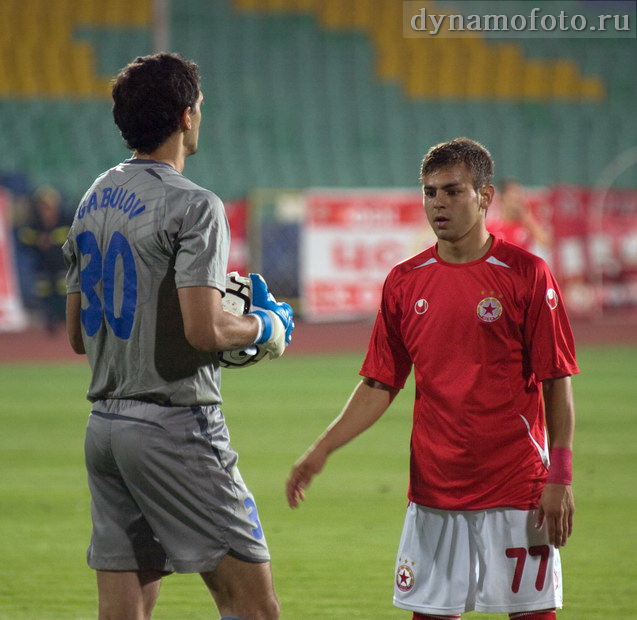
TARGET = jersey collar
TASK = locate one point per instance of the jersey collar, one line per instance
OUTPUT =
(495, 243)
(147, 161)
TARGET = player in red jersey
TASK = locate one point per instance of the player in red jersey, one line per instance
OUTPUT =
(517, 224)
(482, 323)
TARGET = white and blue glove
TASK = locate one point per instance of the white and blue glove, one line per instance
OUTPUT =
(275, 318)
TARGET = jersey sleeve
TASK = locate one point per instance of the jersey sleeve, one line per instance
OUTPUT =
(387, 360)
(547, 331)
(73, 268)
(203, 244)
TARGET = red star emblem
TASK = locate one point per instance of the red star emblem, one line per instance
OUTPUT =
(404, 578)
(489, 309)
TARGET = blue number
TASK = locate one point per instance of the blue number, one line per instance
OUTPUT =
(253, 515)
(94, 272)
(89, 278)
(122, 325)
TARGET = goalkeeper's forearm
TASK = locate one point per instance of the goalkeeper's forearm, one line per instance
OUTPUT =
(207, 326)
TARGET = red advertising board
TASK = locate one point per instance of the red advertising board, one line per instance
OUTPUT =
(595, 246)
(12, 316)
(351, 240)
(237, 212)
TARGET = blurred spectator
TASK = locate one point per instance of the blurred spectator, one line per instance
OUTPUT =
(45, 233)
(517, 224)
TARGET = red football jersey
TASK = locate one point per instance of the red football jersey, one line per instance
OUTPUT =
(513, 232)
(481, 337)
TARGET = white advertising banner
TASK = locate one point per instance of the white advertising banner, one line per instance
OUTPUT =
(350, 242)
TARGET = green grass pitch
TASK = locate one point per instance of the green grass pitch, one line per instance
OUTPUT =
(334, 557)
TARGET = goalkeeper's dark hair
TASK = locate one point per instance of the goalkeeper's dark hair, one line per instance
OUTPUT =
(150, 95)
(465, 151)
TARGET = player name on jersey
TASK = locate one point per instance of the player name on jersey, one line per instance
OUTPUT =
(112, 198)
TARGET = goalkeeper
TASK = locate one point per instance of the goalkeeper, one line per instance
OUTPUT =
(483, 324)
(147, 255)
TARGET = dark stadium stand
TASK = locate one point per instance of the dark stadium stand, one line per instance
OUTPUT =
(311, 93)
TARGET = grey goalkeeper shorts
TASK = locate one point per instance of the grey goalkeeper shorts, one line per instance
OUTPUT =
(166, 493)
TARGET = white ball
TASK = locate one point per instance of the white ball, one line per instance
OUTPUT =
(237, 301)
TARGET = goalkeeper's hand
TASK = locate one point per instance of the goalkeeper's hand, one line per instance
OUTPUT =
(275, 318)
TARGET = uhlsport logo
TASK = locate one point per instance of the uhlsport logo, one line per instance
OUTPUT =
(489, 309)
(551, 298)
(421, 306)
(404, 578)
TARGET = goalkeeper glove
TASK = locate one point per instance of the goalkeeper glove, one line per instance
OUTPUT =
(275, 318)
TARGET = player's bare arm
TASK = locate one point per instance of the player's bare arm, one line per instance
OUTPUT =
(368, 402)
(73, 325)
(210, 328)
(556, 504)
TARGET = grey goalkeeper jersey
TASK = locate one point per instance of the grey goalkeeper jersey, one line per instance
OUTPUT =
(141, 232)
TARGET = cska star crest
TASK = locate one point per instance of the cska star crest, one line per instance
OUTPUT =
(489, 309)
(404, 578)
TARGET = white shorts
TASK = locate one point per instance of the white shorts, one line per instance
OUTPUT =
(492, 561)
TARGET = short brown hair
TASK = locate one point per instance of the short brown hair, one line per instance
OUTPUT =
(150, 95)
(460, 151)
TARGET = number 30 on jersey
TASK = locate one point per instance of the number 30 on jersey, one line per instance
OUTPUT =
(100, 271)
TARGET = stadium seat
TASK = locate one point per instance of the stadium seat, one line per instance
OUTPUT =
(312, 92)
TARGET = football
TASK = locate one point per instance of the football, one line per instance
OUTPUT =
(237, 301)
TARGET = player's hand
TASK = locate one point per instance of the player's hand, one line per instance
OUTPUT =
(277, 318)
(310, 464)
(556, 511)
